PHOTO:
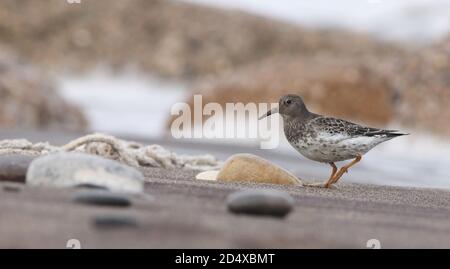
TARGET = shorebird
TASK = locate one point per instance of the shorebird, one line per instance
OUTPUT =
(327, 139)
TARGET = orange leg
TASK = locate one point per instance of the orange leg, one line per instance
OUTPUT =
(321, 185)
(343, 170)
(333, 173)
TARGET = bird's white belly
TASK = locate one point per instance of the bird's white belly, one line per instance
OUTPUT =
(335, 149)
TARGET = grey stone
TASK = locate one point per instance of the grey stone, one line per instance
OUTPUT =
(90, 186)
(260, 202)
(72, 169)
(114, 222)
(12, 187)
(101, 198)
(13, 167)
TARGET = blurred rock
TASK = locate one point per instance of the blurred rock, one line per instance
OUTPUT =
(72, 169)
(423, 80)
(171, 38)
(14, 167)
(107, 222)
(251, 168)
(29, 100)
(338, 86)
(12, 187)
(101, 198)
(411, 89)
(339, 73)
(260, 202)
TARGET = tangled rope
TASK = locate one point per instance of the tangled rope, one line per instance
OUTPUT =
(130, 153)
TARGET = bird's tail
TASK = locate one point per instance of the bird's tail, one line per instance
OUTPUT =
(387, 133)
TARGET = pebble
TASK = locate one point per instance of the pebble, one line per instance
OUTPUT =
(12, 187)
(13, 167)
(252, 168)
(114, 222)
(75, 169)
(101, 198)
(90, 186)
(207, 175)
(260, 202)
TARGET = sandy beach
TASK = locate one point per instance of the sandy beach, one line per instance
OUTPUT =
(178, 211)
(181, 212)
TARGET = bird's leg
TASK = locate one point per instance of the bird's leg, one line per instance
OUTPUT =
(333, 173)
(345, 168)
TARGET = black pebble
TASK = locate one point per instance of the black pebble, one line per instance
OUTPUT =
(114, 222)
(11, 188)
(260, 202)
(101, 198)
(13, 167)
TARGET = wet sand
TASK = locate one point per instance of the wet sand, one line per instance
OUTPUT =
(186, 213)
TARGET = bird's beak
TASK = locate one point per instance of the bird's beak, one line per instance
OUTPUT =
(270, 112)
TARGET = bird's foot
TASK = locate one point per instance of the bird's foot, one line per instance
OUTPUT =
(314, 184)
(319, 185)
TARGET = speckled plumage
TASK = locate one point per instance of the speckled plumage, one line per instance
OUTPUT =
(326, 139)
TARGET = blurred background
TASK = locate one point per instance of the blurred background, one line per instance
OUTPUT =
(118, 67)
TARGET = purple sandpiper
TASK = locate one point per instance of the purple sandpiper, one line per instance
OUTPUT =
(327, 139)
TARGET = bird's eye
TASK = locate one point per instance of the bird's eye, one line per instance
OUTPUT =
(288, 101)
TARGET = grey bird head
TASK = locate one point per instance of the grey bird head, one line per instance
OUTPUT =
(290, 105)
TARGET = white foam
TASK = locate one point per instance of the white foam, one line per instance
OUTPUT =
(124, 103)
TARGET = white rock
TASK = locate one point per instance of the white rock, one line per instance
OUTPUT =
(72, 169)
(207, 175)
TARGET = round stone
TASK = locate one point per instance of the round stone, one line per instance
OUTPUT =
(12, 187)
(114, 222)
(13, 167)
(252, 168)
(260, 202)
(101, 198)
(74, 169)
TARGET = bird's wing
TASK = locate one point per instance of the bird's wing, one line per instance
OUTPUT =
(349, 129)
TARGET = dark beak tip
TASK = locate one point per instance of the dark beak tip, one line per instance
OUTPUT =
(262, 117)
(268, 113)
(265, 115)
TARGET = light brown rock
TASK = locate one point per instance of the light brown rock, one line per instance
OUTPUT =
(251, 168)
(329, 85)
